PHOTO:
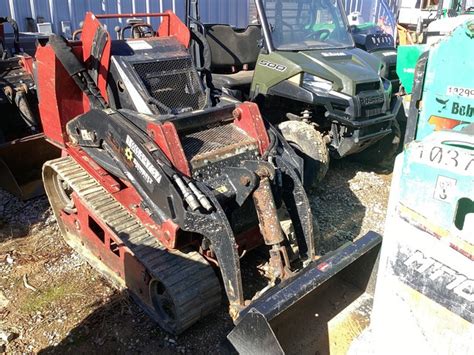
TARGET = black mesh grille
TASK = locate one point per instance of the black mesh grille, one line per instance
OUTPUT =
(371, 105)
(214, 140)
(375, 85)
(174, 85)
(370, 112)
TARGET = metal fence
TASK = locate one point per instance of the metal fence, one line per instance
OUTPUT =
(61, 13)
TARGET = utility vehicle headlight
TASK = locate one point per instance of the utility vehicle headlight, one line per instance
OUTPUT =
(317, 85)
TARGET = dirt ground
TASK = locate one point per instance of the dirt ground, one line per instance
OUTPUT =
(52, 302)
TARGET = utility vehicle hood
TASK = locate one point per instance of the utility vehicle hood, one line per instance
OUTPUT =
(344, 67)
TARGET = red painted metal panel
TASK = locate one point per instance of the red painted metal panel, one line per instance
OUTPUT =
(248, 117)
(60, 98)
(166, 137)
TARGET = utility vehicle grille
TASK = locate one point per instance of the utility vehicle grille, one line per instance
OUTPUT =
(371, 105)
(173, 84)
(375, 85)
(369, 112)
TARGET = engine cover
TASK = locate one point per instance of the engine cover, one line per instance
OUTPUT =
(155, 76)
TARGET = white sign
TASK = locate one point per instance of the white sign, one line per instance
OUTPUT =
(142, 163)
(445, 189)
(446, 157)
(458, 91)
(139, 45)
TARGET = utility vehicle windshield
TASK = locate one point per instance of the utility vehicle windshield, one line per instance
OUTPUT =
(307, 24)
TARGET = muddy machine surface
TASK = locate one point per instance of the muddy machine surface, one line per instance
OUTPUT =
(23, 149)
(425, 283)
(165, 194)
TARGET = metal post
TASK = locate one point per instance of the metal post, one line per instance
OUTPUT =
(265, 27)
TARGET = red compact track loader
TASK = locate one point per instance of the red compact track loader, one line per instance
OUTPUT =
(163, 189)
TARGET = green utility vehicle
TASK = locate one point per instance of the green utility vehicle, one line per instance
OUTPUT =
(372, 38)
(374, 32)
(298, 61)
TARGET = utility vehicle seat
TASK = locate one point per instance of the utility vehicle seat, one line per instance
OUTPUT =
(232, 51)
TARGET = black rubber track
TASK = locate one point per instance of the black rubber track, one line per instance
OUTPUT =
(189, 280)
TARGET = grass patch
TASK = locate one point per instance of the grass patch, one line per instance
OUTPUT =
(43, 299)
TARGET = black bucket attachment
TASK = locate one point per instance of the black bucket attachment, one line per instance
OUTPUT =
(21, 161)
(319, 311)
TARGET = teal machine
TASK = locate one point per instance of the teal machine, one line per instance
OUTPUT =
(424, 296)
(443, 87)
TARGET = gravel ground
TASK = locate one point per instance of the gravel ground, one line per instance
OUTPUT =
(53, 302)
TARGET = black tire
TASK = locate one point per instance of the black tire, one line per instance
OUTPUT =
(402, 123)
(382, 154)
(308, 144)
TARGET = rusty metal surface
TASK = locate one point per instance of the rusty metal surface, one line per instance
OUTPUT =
(267, 213)
(301, 315)
(270, 228)
(18, 95)
(216, 143)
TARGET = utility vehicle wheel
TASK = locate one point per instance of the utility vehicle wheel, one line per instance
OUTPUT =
(382, 153)
(308, 144)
